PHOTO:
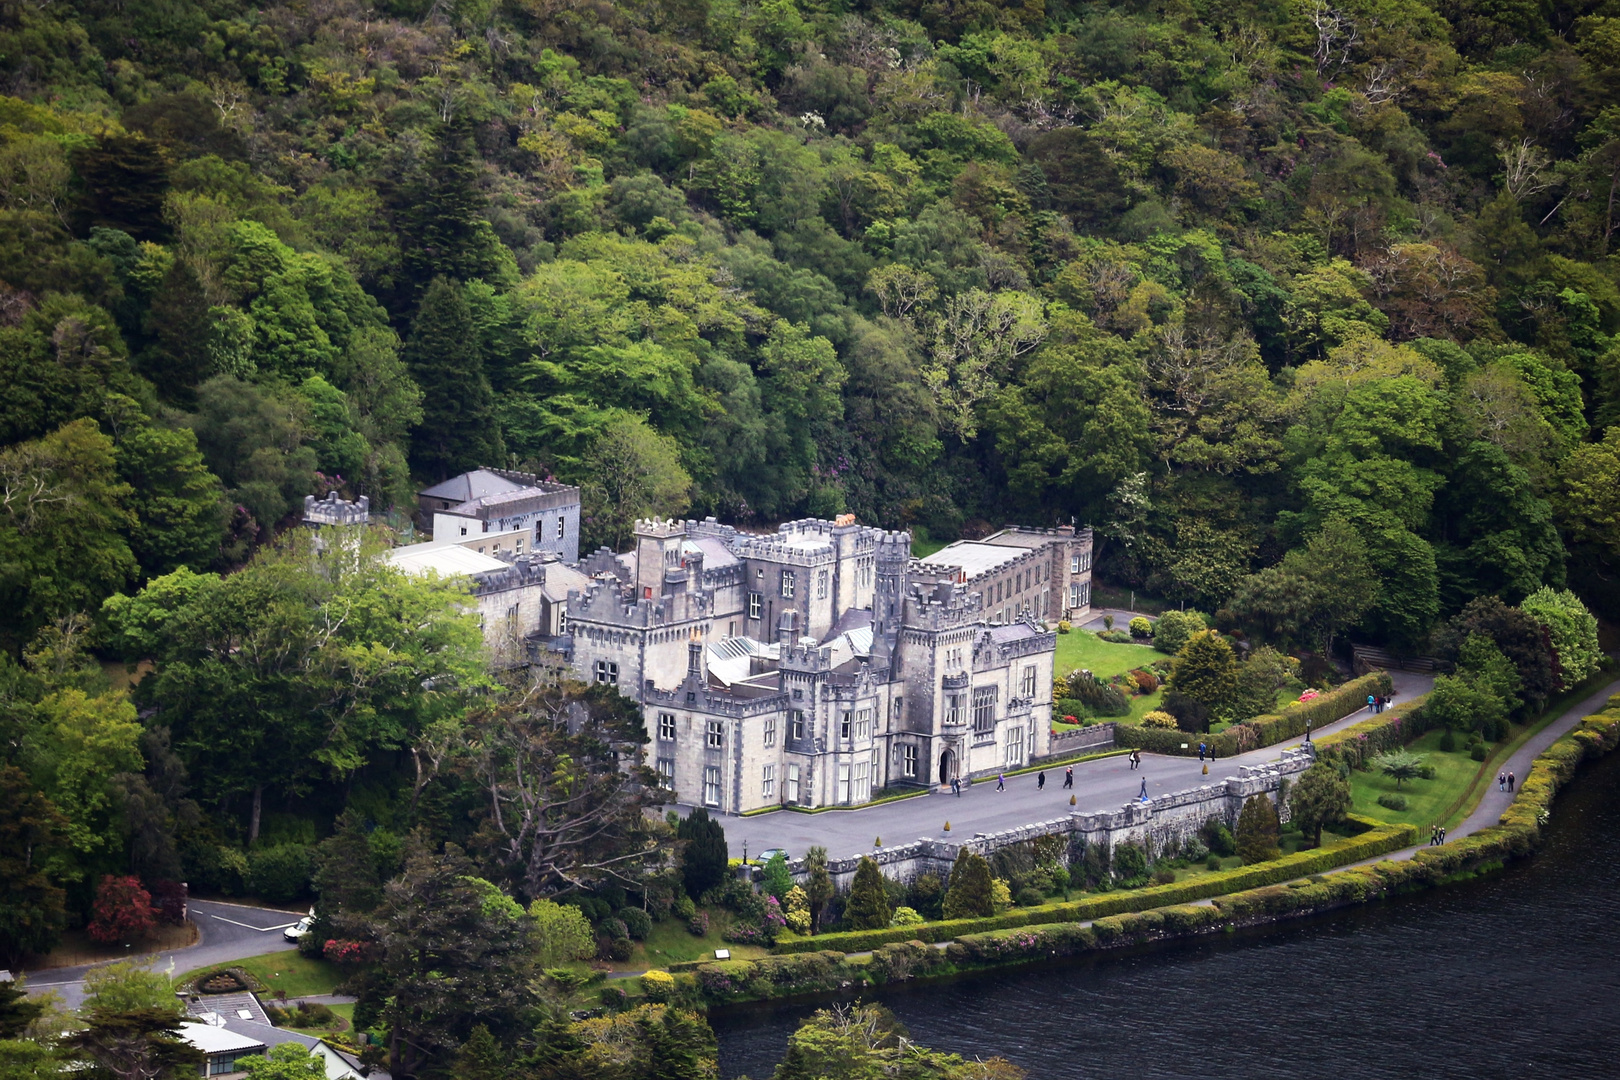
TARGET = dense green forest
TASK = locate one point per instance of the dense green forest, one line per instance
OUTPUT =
(1309, 308)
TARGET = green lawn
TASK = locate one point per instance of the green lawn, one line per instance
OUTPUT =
(1427, 800)
(1081, 650)
(670, 942)
(297, 975)
(344, 1011)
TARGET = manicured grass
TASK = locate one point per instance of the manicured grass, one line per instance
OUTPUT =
(346, 1012)
(297, 975)
(1081, 650)
(670, 942)
(1427, 800)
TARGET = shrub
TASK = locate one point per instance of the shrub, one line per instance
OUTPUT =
(1159, 719)
(1118, 637)
(1218, 837)
(868, 904)
(1070, 708)
(1164, 876)
(905, 916)
(1257, 830)
(1141, 627)
(1271, 728)
(123, 910)
(698, 924)
(1448, 742)
(683, 907)
(613, 997)
(1478, 753)
(1100, 698)
(1000, 895)
(1173, 629)
(1392, 801)
(658, 985)
(1029, 897)
(1146, 681)
(797, 914)
(637, 923)
(1130, 865)
(1213, 863)
(1193, 849)
(1063, 626)
(280, 873)
(614, 928)
(620, 949)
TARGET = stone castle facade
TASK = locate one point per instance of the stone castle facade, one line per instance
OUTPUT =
(820, 664)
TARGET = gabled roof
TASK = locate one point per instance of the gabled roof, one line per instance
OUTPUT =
(218, 1040)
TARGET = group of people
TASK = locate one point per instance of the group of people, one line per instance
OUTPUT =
(1437, 835)
(1001, 781)
(1504, 781)
(1377, 703)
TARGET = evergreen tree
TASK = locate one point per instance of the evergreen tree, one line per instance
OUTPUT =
(447, 227)
(1207, 673)
(703, 858)
(778, 880)
(32, 907)
(1257, 830)
(1321, 797)
(969, 895)
(868, 904)
(819, 887)
(458, 430)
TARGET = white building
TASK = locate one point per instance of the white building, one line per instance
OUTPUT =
(543, 514)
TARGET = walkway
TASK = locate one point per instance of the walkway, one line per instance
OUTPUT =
(1102, 785)
(225, 932)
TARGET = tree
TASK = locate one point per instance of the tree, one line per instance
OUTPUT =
(32, 840)
(129, 987)
(1174, 628)
(703, 854)
(1399, 765)
(631, 472)
(1257, 830)
(133, 1044)
(448, 961)
(253, 438)
(123, 910)
(969, 895)
(1320, 797)
(1520, 637)
(289, 1061)
(64, 526)
(458, 429)
(1572, 628)
(78, 745)
(852, 1042)
(778, 880)
(561, 933)
(1206, 672)
(446, 218)
(818, 884)
(1315, 591)
(868, 905)
(178, 503)
(565, 788)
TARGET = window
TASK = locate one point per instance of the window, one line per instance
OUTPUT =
(795, 723)
(897, 708)
(792, 791)
(953, 709)
(464, 530)
(561, 525)
(755, 603)
(863, 781)
(789, 579)
(1074, 595)
(1015, 746)
(1027, 688)
(984, 709)
(1074, 564)
(998, 593)
(517, 545)
(562, 621)
(711, 785)
(666, 771)
(666, 726)
(863, 723)
(843, 725)
(770, 731)
(821, 584)
(908, 760)
(607, 672)
(512, 619)
(843, 784)
(767, 782)
(717, 733)
(540, 531)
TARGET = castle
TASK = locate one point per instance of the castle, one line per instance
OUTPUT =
(820, 664)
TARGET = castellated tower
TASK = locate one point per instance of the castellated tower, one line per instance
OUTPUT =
(658, 550)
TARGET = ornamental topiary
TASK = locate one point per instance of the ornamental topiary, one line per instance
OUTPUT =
(1141, 627)
(1158, 718)
(905, 916)
(868, 905)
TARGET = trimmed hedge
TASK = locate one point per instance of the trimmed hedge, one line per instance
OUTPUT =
(1378, 840)
(1389, 730)
(1517, 834)
(1264, 730)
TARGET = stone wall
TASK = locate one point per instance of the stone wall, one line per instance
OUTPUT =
(1096, 738)
(1152, 823)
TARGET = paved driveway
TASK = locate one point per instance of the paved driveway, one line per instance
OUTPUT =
(1102, 785)
(225, 932)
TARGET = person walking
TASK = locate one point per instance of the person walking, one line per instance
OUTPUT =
(956, 785)
(1040, 781)
(1143, 793)
(1001, 781)
(1371, 701)
(1510, 783)
(1200, 751)
(1501, 781)
(1068, 777)
(1442, 836)
(1434, 834)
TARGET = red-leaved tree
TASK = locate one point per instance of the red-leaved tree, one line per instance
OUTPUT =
(123, 910)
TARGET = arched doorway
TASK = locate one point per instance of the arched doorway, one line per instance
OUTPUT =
(945, 763)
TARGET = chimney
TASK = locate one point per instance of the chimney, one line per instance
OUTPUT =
(694, 654)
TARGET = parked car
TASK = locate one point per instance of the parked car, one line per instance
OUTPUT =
(770, 853)
(299, 928)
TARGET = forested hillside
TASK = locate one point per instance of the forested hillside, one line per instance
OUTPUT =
(1204, 275)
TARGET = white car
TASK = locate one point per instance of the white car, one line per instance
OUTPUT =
(299, 928)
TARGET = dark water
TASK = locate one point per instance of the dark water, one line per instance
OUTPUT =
(1516, 975)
